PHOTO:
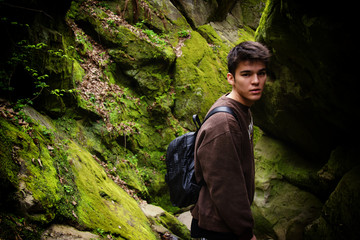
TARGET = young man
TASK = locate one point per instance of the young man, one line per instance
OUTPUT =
(224, 156)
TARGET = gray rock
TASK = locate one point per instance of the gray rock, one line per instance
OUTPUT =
(63, 232)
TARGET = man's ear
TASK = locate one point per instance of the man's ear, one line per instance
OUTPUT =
(230, 79)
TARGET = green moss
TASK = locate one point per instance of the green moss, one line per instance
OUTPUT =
(152, 80)
(260, 31)
(40, 174)
(78, 72)
(131, 175)
(42, 164)
(274, 157)
(73, 11)
(173, 224)
(43, 181)
(104, 204)
(209, 33)
(9, 168)
(245, 34)
(289, 208)
(14, 226)
(200, 79)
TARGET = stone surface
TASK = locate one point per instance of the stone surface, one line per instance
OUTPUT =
(165, 223)
(306, 102)
(186, 219)
(281, 209)
(151, 210)
(63, 232)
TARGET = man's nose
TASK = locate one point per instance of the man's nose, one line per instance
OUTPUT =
(255, 79)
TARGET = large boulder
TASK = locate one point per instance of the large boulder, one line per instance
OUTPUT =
(49, 179)
(308, 101)
(282, 207)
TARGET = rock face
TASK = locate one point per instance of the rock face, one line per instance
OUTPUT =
(284, 207)
(307, 101)
(308, 104)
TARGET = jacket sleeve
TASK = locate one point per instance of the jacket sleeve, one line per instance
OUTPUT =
(223, 173)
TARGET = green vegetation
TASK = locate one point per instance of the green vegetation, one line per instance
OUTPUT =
(183, 34)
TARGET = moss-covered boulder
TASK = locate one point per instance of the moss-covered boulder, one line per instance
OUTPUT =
(55, 179)
(199, 75)
(164, 222)
(104, 204)
(240, 22)
(281, 200)
(50, 176)
(142, 55)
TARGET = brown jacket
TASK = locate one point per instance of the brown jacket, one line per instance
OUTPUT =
(224, 159)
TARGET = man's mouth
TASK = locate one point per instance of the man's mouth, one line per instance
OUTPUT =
(256, 91)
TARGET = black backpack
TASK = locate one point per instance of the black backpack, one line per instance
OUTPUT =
(180, 176)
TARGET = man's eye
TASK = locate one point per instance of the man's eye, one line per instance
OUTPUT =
(262, 73)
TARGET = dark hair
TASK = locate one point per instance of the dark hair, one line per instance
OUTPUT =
(247, 51)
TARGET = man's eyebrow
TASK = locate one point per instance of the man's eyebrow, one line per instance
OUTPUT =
(249, 71)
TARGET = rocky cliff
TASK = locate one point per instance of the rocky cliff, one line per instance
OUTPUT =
(93, 91)
(309, 105)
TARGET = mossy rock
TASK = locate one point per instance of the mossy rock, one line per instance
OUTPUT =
(38, 165)
(74, 188)
(159, 217)
(304, 103)
(171, 13)
(280, 175)
(200, 79)
(263, 228)
(103, 204)
(275, 158)
(173, 224)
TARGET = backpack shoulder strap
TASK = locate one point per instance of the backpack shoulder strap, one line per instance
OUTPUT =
(198, 123)
(220, 109)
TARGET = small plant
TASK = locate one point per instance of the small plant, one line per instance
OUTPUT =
(154, 37)
(140, 24)
(111, 23)
(60, 92)
(104, 5)
(101, 232)
(68, 188)
(183, 34)
(22, 57)
(60, 53)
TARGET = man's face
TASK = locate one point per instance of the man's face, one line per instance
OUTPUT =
(248, 82)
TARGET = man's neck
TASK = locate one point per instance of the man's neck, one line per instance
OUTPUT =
(236, 97)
